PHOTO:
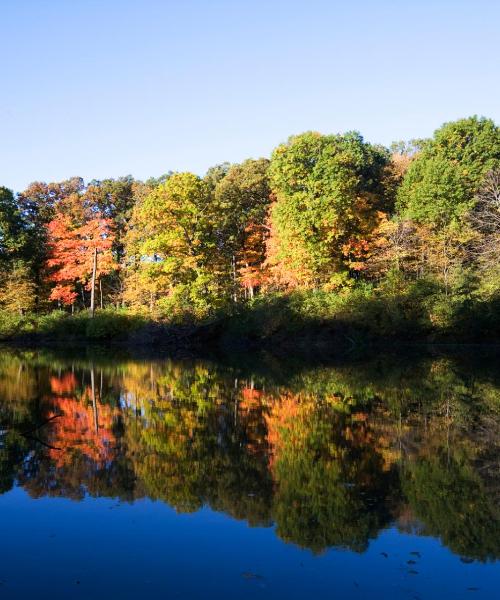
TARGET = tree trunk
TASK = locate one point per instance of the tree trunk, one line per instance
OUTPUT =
(233, 265)
(100, 291)
(92, 289)
(250, 285)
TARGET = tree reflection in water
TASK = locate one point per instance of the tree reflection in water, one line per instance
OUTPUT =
(329, 455)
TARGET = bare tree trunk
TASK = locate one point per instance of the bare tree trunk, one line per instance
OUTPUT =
(92, 289)
(100, 291)
(250, 286)
(233, 265)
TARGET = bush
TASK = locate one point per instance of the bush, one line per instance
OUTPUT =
(59, 324)
(13, 324)
(108, 324)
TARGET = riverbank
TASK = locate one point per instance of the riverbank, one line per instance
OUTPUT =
(281, 322)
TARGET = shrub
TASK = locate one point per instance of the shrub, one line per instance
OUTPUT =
(12, 324)
(108, 324)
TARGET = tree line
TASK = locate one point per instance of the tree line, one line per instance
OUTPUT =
(327, 216)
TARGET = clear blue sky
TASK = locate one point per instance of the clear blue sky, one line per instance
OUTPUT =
(103, 88)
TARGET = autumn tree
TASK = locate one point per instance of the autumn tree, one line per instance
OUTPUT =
(37, 204)
(114, 199)
(242, 200)
(328, 191)
(17, 288)
(80, 251)
(175, 246)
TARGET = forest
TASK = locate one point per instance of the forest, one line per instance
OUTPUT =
(331, 233)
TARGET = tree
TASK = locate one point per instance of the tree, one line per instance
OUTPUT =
(17, 289)
(37, 205)
(242, 200)
(12, 229)
(484, 219)
(439, 189)
(74, 248)
(441, 183)
(328, 191)
(175, 246)
(114, 199)
(216, 174)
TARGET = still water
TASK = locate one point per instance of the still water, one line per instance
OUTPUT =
(155, 478)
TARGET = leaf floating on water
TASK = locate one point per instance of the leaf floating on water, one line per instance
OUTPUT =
(384, 554)
(415, 553)
(411, 562)
(250, 575)
(473, 589)
(412, 572)
(466, 560)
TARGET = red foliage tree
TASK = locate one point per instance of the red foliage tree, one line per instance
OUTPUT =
(72, 253)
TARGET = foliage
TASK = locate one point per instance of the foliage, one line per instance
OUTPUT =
(441, 182)
(333, 236)
(72, 248)
(242, 199)
(328, 190)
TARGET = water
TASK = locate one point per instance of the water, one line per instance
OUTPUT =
(157, 478)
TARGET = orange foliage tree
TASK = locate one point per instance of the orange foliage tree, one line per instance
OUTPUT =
(250, 260)
(72, 250)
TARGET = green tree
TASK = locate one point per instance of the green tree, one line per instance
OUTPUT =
(439, 191)
(328, 191)
(13, 235)
(442, 181)
(17, 290)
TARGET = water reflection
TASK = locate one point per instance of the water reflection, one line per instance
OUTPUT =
(330, 455)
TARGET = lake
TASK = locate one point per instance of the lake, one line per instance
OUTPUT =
(249, 477)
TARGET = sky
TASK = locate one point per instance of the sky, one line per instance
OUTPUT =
(105, 88)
